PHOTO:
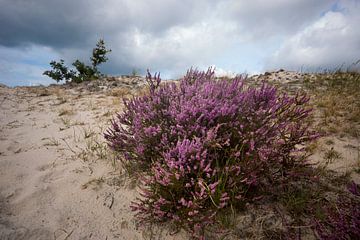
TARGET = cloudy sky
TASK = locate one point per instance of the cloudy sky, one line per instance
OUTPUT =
(170, 36)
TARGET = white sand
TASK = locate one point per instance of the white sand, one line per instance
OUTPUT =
(56, 181)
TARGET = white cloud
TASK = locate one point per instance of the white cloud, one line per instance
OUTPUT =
(179, 47)
(220, 72)
(331, 41)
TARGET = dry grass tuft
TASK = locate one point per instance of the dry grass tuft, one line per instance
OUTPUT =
(40, 91)
(120, 92)
(66, 112)
(94, 184)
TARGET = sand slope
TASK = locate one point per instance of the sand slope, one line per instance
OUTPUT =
(57, 180)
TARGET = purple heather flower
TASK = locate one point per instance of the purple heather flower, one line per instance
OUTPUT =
(197, 141)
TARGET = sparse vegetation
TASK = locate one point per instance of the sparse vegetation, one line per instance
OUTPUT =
(337, 98)
(66, 111)
(120, 92)
(88, 133)
(331, 155)
(66, 122)
(94, 184)
(51, 142)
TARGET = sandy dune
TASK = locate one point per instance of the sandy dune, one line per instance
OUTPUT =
(57, 178)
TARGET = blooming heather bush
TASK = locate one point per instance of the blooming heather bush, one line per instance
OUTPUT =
(206, 144)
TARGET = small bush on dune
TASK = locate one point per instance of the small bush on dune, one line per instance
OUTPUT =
(82, 71)
(208, 144)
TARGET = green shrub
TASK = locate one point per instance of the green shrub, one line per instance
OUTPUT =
(82, 71)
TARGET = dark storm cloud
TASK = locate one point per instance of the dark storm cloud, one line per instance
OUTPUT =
(70, 23)
(72, 27)
(53, 23)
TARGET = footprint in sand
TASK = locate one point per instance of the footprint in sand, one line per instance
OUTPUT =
(3, 138)
(12, 232)
(47, 178)
(14, 147)
(46, 167)
(52, 176)
(14, 124)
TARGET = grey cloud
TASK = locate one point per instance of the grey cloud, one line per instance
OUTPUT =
(69, 23)
(52, 23)
(260, 19)
(72, 27)
(161, 34)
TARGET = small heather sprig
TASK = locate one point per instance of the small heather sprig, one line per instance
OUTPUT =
(341, 222)
(354, 188)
